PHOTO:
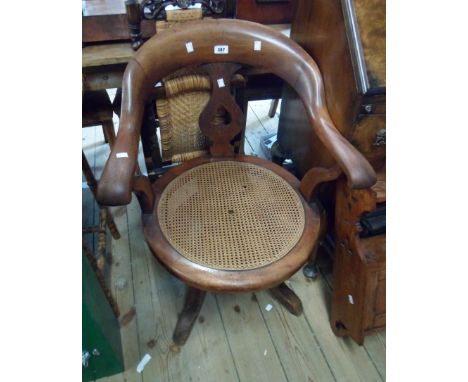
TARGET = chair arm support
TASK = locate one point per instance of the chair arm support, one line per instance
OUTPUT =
(116, 184)
(316, 176)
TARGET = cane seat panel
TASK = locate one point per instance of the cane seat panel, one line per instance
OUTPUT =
(231, 215)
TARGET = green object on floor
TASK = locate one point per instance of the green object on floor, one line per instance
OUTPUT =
(101, 345)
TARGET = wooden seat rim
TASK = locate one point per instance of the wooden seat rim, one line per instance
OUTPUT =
(209, 279)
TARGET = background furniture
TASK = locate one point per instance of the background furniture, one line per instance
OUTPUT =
(108, 20)
(236, 182)
(265, 11)
(96, 111)
(358, 301)
(347, 38)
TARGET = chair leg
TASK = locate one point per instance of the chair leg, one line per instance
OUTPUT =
(286, 297)
(111, 225)
(276, 154)
(193, 302)
(102, 240)
(92, 184)
(100, 278)
(109, 132)
(273, 107)
(311, 270)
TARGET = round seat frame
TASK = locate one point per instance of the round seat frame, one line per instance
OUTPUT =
(207, 278)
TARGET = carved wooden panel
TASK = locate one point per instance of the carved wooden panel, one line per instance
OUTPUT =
(222, 119)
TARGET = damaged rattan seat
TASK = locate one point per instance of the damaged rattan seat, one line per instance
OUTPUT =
(223, 221)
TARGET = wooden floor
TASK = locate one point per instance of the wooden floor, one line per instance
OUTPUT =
(235, 338)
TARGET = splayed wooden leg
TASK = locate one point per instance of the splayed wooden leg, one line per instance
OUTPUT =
(286, 297)
(193, 302)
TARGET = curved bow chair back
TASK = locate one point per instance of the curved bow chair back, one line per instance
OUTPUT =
(221, 41)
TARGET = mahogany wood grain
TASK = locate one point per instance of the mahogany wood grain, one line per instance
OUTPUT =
(286, 297)
(358, 301)
(209, 279)
(221, 136)
(278, 55)
(109, 132)
(142, 189)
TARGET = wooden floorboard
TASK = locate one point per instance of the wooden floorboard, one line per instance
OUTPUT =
(235, 338)
(375, 349)
(253, 350)
(348, 361)
(254, 133)
(260, 111)
(295, 343)
(123, 292)
(374, 343)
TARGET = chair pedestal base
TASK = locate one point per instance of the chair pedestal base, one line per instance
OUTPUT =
(193, 302)
(286, 297)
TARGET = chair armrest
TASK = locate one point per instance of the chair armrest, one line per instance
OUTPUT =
(358, 170)
(116, 183)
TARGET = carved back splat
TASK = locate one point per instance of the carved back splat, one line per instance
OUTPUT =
(220, 136)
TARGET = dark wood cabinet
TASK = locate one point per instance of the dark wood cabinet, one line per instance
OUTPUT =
(347, 40)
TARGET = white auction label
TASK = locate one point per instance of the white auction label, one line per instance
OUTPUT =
(257, 45)
(221, 83)
(141, 365)
(121, 155)
(189, 46)
(221, 49)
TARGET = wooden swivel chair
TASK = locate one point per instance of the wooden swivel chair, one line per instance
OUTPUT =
(226, 222)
